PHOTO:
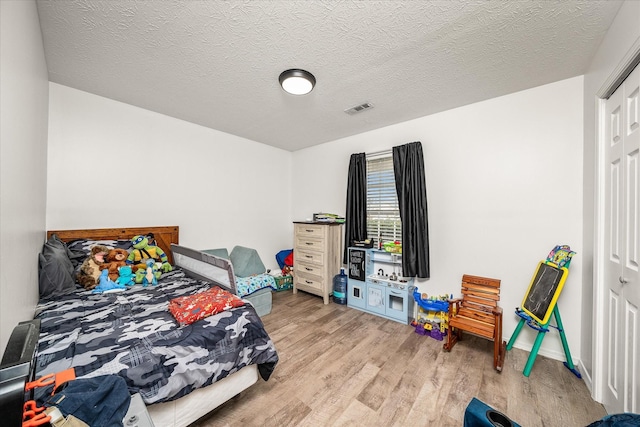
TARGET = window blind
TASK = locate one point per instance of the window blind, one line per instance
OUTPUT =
(383, 214)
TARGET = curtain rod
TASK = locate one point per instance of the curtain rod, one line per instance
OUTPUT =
(382, 153)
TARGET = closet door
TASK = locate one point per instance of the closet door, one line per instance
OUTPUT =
(622, 248)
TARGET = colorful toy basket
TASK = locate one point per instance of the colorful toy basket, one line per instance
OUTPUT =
(284, 282)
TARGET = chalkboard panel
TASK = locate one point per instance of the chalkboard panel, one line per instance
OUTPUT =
(544, 290)
(356, 264)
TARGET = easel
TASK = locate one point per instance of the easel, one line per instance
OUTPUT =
(540, 304)
(542, 330)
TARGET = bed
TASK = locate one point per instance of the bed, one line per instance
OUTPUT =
(182, 372)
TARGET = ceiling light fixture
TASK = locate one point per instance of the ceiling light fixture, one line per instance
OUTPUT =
(297, 82)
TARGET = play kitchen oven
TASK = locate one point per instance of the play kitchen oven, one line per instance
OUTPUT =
(376, 284)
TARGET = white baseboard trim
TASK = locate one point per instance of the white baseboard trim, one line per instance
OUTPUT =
(586, 377)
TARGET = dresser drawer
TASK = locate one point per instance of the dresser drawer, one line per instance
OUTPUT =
(308, 281)
(311, 243)
(308, 257)
(309, 268)
(310, 231)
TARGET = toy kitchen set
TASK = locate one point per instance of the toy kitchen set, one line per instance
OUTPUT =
(376, 284)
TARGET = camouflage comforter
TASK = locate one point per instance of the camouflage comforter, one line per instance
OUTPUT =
(132, 334)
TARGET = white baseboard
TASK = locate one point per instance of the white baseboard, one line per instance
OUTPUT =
(586, 377)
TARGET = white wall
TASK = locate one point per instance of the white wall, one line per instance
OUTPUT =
(23, 161)
(504, 186)
(115, 165)
(622, 35)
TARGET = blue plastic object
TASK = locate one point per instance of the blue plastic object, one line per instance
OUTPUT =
(280, 257)
(618, 420)
(340, 287)
(479, 414)
(430, 305)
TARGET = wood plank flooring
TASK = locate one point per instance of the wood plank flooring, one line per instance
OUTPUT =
(342, 367)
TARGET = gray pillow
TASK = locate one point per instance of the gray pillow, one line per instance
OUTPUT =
(55, 275)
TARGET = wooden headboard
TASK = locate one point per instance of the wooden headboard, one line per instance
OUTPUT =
(164, 236)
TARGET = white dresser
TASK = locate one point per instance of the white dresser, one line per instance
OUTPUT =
(317, 257)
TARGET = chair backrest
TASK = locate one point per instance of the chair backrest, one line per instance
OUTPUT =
(480, 295)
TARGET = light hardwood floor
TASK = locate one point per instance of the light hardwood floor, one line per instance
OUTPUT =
(342, 367)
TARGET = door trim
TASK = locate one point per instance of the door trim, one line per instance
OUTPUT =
(599, 299)
(621, 72)
(626, 65)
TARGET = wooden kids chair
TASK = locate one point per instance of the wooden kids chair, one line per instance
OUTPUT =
(477, 312)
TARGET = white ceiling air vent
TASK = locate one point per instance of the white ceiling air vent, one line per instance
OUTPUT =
(359, 108)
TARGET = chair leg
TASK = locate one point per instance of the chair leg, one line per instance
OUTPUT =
(499, 346)
(503, 353)
(497, 354)
(453, 335)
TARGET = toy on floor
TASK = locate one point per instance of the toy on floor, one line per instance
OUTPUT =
(285, 261)
(107, 285)
(431, 315)
(539, 305)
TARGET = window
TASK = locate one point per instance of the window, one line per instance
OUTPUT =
(383, 214)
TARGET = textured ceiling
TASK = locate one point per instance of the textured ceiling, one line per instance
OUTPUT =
(216, 63)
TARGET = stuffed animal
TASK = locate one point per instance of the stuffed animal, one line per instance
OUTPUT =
(115, 258)
(125, 276)
(107, 284)
(150, 275)
(143, 251)
(90, 270)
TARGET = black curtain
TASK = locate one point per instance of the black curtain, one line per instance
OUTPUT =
(356, 215)
(408, 168)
